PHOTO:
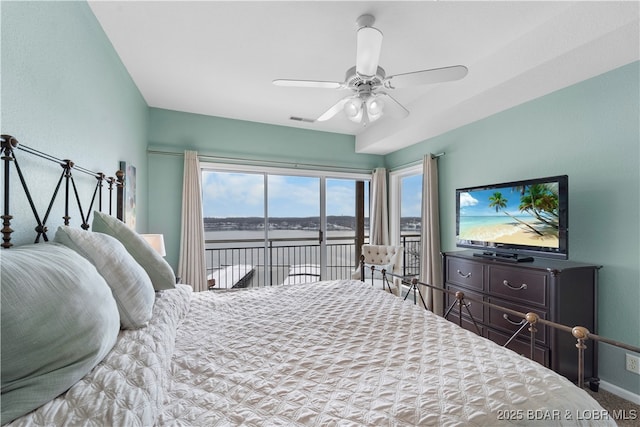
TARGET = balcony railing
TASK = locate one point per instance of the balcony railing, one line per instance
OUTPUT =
(411, 263)
(256, 262)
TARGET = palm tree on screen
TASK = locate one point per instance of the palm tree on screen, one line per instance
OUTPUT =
(541, 201)
(498, 201)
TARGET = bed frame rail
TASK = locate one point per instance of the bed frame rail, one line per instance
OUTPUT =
(530, 319)
(8, 157)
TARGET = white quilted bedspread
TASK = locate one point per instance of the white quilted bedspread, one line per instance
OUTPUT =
(128, 387)
(340, 353)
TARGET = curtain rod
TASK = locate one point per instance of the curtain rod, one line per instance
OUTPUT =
(273, 163)
(417, 162)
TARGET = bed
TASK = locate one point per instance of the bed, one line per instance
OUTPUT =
(324, 353)
(116, 342)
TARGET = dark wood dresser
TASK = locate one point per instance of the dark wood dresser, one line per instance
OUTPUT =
(560, 291)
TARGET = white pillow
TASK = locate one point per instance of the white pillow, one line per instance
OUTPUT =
(130, 284)
(58, 321)
(158, 269)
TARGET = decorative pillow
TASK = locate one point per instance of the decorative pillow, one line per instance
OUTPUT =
(157, 268)
(130, 284)
(58, 321)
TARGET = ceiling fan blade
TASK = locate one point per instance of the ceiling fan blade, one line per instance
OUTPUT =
(369, 45)
(417, 78)
(393, 107)
(335, 109)
(308, 83)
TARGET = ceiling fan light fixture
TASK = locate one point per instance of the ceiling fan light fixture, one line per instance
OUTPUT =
(364, 108)
(375, 107)
(353, 109)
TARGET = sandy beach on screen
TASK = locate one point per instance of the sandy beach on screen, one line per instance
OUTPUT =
(514, 233)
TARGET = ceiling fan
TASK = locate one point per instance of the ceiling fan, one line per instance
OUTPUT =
(369, 83)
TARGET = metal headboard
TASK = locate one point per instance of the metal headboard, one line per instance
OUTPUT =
(8, 157)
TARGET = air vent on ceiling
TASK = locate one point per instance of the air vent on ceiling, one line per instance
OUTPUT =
(301, 119)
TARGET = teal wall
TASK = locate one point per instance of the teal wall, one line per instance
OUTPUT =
(66, 92)
(591, 132)
(174, 132)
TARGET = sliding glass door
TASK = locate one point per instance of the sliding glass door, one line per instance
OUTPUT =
(294, 233)
(272, 227)
(347, 212)
(234, 216)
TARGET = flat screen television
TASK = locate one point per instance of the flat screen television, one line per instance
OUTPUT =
(515, 221)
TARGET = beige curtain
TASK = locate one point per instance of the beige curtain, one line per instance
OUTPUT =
(192, 268)
(431, 264)
(379, 221)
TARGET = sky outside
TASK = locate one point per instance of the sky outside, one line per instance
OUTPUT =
(227, 194)
(411, 201)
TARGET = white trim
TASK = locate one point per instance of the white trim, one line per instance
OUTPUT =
(395, 198)
(394, 208)
(620, 392)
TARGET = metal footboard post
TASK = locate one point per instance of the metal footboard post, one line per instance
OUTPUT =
(532, 318)
(415, 288)
(385, 281)
(373, 269)
(581, 334)
(362, 276)
(460, 298)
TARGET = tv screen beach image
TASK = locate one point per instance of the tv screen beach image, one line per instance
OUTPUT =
(526, 215)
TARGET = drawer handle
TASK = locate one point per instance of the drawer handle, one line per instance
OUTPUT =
(521, 322)
(466, 276)
(508, 285)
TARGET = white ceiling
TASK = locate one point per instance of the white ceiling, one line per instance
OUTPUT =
(219, 58)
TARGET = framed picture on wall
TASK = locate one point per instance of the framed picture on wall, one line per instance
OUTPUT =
(129, 196)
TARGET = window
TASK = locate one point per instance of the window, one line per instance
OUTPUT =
(405, 192)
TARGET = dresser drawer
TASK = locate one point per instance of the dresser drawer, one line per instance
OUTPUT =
(540, 354)
(465, 273)
(510, 323)
(526, 286)
(476, 308)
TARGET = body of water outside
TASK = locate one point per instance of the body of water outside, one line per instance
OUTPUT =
(286, 249)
